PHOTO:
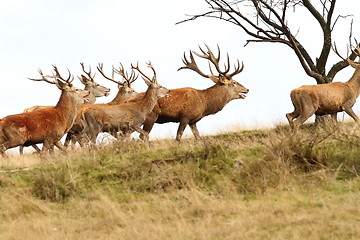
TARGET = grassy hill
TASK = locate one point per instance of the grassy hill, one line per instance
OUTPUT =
(260, 184)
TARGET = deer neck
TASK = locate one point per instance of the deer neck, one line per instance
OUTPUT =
(149, 100)
(216, 98)
(354, 82)
(67, 107)
(92, 98)
(119, 98)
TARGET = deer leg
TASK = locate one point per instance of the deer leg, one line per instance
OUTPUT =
(145, 135)
(114, 133)
(3, 154)
(301, 119)
(21, 150)
(75, 137)
(59, 145)
(334, 117)
(290, 117)
(148, 124)
(195, 130)
(36, 148)
(82, 138)
(46, 146)
(68, 139)
(10, 138)
(93, 128)
(180, 131)
(2, 150)
(51, 148)
(352, 114)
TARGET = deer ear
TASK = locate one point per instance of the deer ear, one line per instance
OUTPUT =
(83, 79)
(215, 79)
(146, 81)
(61, 85)
(218, 79)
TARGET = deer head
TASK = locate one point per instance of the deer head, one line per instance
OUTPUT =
(79, 95)
(123, 86)
(152, 83)
(223, 77)
(96, 89)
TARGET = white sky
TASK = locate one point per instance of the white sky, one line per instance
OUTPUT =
(35, 34)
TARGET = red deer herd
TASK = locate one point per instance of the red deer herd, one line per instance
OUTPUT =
(77, 115)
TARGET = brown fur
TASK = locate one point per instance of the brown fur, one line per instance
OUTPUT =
(130, 115)
(45, 126)
(76, 133)
(34, 108)
(95, 89)
(323, 99)
(188, 105)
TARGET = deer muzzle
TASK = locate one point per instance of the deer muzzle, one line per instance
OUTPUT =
(242, 94)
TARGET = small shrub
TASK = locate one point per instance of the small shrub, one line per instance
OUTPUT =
(54, 184)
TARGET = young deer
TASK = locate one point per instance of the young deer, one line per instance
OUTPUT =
(96, 90)
(46, 125)
(125, 92)
(329, 98)
(129, 115)
(188, 105)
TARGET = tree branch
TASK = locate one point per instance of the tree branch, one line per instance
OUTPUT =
(268, 23)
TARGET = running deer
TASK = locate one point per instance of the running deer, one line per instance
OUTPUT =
(129, 115)
(329, 98)
(188, 105)
(125, 92)
(96, 90)
(46, 125)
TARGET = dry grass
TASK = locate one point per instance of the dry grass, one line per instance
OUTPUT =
(244, 185)
(188, 214)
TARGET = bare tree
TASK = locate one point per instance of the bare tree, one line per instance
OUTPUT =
(268, 21)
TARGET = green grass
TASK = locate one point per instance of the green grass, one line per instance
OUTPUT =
(260, 184)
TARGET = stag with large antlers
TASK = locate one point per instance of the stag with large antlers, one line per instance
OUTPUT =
(46, 125)
(129, 115)
(96, 90)
(188, 105)
(125, 92)
(329, 98)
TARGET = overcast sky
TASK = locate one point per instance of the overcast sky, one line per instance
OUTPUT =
(35, 34)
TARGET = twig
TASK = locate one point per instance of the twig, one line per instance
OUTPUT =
(17, 170)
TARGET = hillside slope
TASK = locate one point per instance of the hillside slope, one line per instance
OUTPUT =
(260, 184)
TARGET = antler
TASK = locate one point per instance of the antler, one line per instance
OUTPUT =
(146, 78)
(121, 72)
(214, 60)
(88, 73)
(129, 79)
(43, 78)
(356, 51)
(192, 65)
(100, 69)
(56, 76)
